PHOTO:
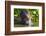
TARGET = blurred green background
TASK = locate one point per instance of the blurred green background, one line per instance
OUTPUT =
(34, 13)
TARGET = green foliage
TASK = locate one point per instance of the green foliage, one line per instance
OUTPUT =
(34, 13)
